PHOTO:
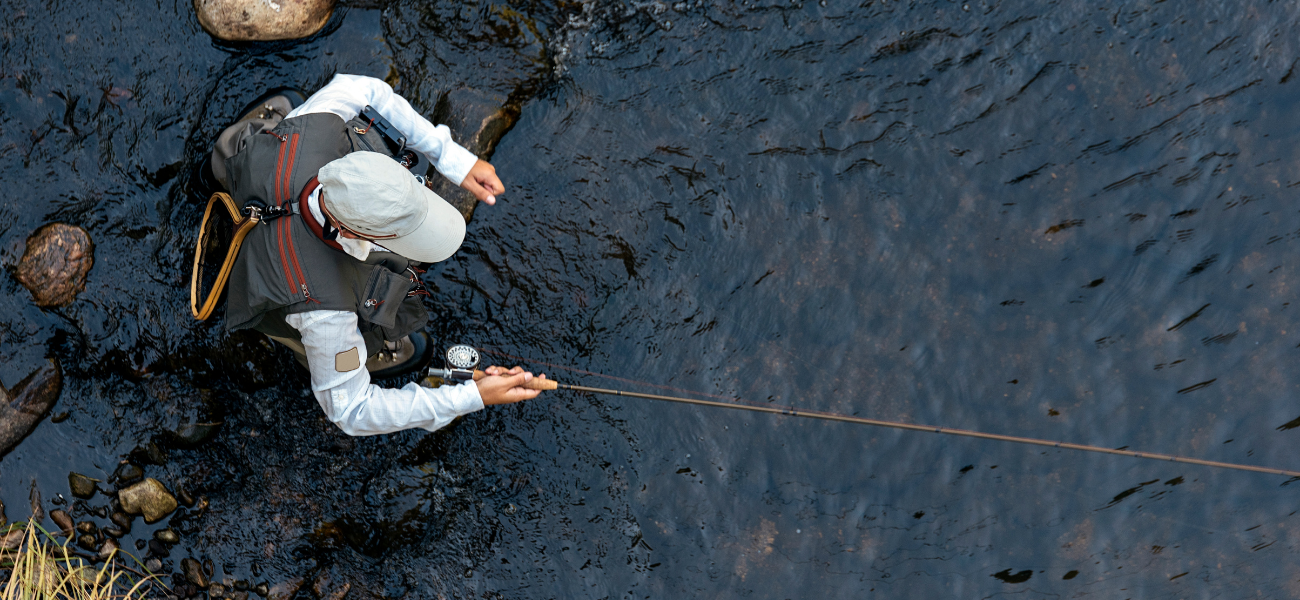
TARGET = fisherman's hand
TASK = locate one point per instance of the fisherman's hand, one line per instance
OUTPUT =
(505, 386)
(482, 181)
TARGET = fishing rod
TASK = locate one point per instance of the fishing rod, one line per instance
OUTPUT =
(462, 362)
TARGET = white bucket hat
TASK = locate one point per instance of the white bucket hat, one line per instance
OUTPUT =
(375, 197)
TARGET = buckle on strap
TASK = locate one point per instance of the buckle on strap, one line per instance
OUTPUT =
(271, 213)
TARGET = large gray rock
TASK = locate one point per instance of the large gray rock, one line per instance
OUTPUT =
(55, 264)
(262, 20)
(477, 120)
(149, 498)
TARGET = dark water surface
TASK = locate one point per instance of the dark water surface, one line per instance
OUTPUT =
(993, 215)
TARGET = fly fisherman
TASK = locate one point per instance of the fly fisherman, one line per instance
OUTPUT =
(332, 270)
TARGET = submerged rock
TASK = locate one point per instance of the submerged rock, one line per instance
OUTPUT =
(26, 404)
(281, 591)
(82, 487)
(55, 264)
(128, 473)
(11, 540)
(149, 498)
(185, 416)
(262, 20)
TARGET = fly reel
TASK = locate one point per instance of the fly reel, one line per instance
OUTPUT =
(461, 361)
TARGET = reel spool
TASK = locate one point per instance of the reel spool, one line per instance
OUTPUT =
(461, 361)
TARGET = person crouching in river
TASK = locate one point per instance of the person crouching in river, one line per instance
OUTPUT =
(332, 271)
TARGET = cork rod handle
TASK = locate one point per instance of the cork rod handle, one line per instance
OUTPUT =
(533, 384)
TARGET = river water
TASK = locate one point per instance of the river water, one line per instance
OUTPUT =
(1063, 220)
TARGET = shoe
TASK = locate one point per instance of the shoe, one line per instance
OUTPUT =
(281, 101)
(402, 357)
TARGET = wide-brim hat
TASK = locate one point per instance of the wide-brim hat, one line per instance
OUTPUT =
(374, 196)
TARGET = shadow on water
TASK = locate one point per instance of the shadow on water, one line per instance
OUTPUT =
(1064, 220)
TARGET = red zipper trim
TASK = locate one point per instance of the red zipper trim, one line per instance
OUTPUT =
(288, 223)
(284, 260)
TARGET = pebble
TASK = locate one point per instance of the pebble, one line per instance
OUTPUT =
(149, 498)
(237, 595)
(106, 551)
(216, 590)
(261, 589)
(12, 540)
(128, 473)
(114, 531)
(122, 520)
(55, 264)
(167, 536)
(86, 541)
(194, 573)
(86, 527)
(62, 520)
(157, 548)
(262, 20)
(153, 565)
(82, 487)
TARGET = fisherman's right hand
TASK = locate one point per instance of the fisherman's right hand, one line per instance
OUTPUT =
(505, 386)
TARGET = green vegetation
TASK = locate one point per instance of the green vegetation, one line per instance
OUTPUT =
(35, 566)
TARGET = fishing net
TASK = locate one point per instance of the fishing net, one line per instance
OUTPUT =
(220, 234)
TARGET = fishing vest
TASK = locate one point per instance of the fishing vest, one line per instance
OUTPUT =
(284, 266)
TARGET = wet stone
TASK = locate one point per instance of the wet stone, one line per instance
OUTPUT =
(82, 487)
(62, 520)
(157, 548)
(149, 498)
(167, 536)
(284, 590)
(216, 590)
(11, 540)
(87, 541)
(87, 527)
(261, 589)
(194, 573)
(478, 120)
(262, 20)
(128, 473)
(114, 532)
(110, 546)
(153, 565)
(55, 264)
(237, 595)
(121, 519)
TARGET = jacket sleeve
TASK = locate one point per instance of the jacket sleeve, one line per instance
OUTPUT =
(347, 95)
(336, 357)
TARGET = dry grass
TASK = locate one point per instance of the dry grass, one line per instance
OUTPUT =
(41, 568)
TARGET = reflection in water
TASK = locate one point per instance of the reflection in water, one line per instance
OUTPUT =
(1063, 221)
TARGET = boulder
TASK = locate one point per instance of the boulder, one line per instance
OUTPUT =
(55, 264)
(477, 120)
(262, 20)
(23, 407)
(149, 498)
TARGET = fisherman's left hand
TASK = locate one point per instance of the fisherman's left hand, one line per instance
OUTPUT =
(482, 181)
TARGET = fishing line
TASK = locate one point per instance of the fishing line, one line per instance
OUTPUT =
(736, 403)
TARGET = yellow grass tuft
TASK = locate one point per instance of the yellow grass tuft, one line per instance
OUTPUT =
(40, 568)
